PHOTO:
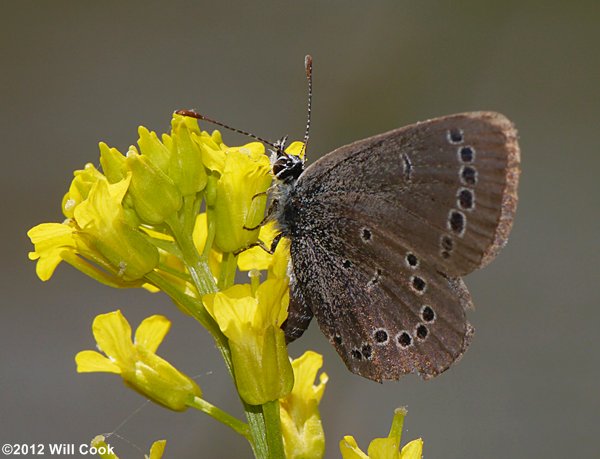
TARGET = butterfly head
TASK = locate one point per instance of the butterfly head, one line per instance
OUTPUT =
(286, 167)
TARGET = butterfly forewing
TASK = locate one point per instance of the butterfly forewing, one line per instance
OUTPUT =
(446, 185)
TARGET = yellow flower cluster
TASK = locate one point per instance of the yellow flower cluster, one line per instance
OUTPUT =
(182, 214)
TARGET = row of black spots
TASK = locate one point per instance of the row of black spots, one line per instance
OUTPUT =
(404, 339)
(365, 352)
(417, 283)
(446, 246)
(457, 222)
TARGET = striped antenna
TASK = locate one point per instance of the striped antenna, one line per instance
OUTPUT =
(308, 63)
(277, 145)
(195, 114)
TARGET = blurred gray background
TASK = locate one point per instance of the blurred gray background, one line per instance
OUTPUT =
(74, 73)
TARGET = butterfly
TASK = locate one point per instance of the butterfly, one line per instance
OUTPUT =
(382, 231)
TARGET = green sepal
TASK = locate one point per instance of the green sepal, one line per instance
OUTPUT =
(113, 163)
(186, 168)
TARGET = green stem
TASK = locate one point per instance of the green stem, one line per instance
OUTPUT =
(256, 422)
(228, 268)
(273, 429)
(221, 416)
(264, 424)
(195, 309)
(254, 414)
(196, 265)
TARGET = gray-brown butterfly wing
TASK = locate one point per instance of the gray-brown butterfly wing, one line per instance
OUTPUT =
(382, 228)
(382, 322)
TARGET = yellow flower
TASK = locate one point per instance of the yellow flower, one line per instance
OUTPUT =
(384, 448)
(98, 232)
(238, 201)
(136, 362)
(252, 322)
(303, 435)
(105, 451)
(80, 188)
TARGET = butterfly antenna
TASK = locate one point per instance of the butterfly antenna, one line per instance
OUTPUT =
(195, 114)
(308, 63)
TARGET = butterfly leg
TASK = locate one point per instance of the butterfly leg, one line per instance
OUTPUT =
(272, 208)
(258, 243)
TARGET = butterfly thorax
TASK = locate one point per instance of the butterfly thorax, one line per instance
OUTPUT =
(287, 169)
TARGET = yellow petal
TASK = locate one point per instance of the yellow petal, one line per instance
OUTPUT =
(273, 298)
(281, 260)
(257, 257)
(90, 361)
(350, 449)
(157, 450)
(233, 309)
(384, 448)
(296, 148)
(412, 450)
(50, 240)
(239, 200)
(113, 336)
(305, 372)
(151, 332)
(200, 232)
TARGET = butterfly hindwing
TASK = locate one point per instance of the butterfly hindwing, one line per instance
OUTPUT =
(385, 316)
